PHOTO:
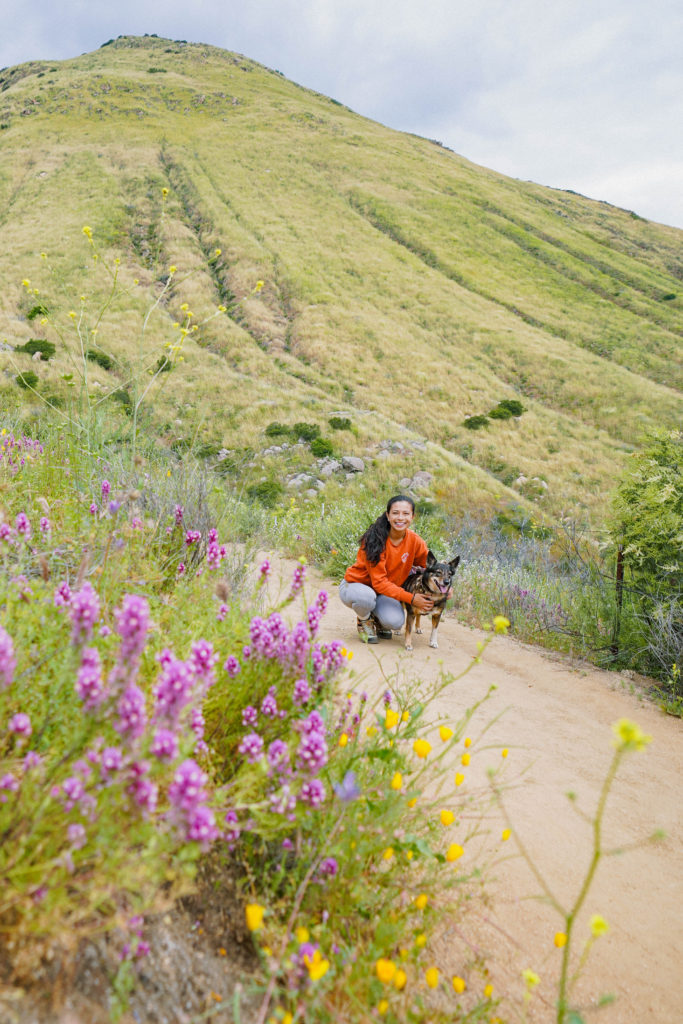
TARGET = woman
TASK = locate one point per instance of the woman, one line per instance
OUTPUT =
(373, 585)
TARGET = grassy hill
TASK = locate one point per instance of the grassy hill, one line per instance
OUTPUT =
(404, 288)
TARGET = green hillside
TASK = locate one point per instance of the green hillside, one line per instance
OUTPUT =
(403, 287)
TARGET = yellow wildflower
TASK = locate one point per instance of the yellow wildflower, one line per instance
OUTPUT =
(87, 231)
(629, 736)
(222, 309)
(409, 854)
(412, 801)
(465, 759)
(391, 719)
(26, 283)
(488, 991)
(421, 901)
(172, 269)
(43, 255)
(397, 781)
(432, 977)
(454, 852)
(501, 624)
(386, 969)
(445, 733)
(388, 853)
(371, 730)
(185, 306)
(400, 979)
(405, 717)
(164, 192)
(317, 966)
(531, 979)
(217, 252)
(302, 934)
(343, 739)
(504, 752)
(458, 984)
(421, 940)
(422, 747)
(459, 778)
(259, 286)
(382, 1007)
(598, 925)
(254, 913)
(560, 939)
(468, 741)
(349, 655)
(447, 817)
(506, 834)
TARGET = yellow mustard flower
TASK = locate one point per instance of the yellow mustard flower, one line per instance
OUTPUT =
(506, 834)
(412, 801)
(504, 752)
(405, 716)
(26, 283)
(454, 852)
(371, 730)
(447, 817)
(382, 1007)
(422, 747)
(468, 741)
(87, 231)
(445, 733)
(465, 759)
(222, 309)
(392, 718)
(598, 925)
(432, 977)
(459, 778)
(302, 934)
(217, 252)
(421, 901)
(488, 991)
(388, 853)
(629, 736)
(531, 979)
(317, 965)
(397, 781)
(259, 286)
(459, 984)
(409, 855)
(43, 255)
(420, 940)
(501, 624)
(254, 914)
(164, 192)
(560, 939)
(400, 979)
(386, 969)
(343, 739)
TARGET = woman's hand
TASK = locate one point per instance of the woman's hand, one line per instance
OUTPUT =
(422, 603)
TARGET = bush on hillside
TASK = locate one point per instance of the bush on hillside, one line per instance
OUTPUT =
(305, 431)
(321, 447)
(475, 422)
(96, 355)
(46, 348)
(277, 430)
(340, 422)
(27, 380)
(267, 492)
(36, 311)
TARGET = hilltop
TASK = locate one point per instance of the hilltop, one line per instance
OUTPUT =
(404, 288)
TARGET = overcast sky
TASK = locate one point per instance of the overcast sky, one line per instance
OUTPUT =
(585, 95)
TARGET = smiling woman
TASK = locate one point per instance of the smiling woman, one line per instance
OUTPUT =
(373, 585)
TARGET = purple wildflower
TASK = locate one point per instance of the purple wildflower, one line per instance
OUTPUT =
(232, 833)
(20, 725)
(312, 792)
(131, 709)
(23, 526)
(221, 613)
(192, 537)
(328, 867)
(89, 686)
(8, 784)
(186, 791)
(112, 760)
(251, 747)
(178, 514)
(232, 666)
(321, 601)
(202, 661)
(93, 508)
(62, 595)
(312, 752)
(201, 825)
(278, 755)
(136, 523)
(73, 790)
(174, 689)
(32, 760)
(298, 578)
(302, 692)
(143, 791)
(44, 525)
(165, 745)
(5, 531)
(106, 488)
(113, 507)
(84, 611)
(132, 625)
(269, 704)
(76, 836)
(347, 790)
(249, 715)
(8, 662)
(265, 569)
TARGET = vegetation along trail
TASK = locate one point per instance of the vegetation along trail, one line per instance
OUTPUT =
(555, 717)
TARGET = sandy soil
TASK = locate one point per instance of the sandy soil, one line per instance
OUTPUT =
(555, 718)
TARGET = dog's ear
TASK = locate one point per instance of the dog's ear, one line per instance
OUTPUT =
(431, 560)
(454, 563)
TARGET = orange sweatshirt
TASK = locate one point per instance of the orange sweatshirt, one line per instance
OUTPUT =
(393, 567)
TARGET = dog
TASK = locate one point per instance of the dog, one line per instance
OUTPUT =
(434, 581)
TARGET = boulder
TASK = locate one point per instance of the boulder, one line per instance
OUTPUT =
(353, 464)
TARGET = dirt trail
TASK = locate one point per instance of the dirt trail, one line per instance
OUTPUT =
(555, 719)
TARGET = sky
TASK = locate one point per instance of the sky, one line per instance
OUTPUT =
(584, 95)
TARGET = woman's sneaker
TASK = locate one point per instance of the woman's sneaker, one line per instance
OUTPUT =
(382, 633)
(366, 631)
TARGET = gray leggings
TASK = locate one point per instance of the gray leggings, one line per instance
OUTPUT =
(365, 601)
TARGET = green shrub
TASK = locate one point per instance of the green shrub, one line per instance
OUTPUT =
(36, 311)
(305, 431)
(340, 423)
(512, 405)
(96, 355)
(277, 430)
(321, 447)
(668, 297)
(27, 380)
(124, 399)
(475, 422)
(266, 492)
(46, 348)
(500, 413)
(164, 365)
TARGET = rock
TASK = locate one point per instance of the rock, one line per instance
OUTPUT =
(353, 464)
(521, 479)
(329, 466)
(299, 481)
(384, 453)
(418, 444)
(397, 446)
(405, 481)
(422, 478)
